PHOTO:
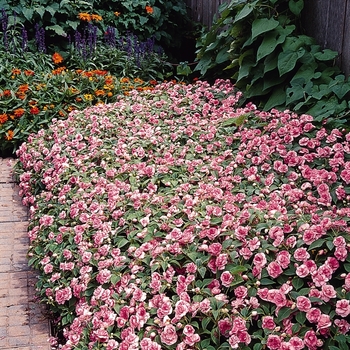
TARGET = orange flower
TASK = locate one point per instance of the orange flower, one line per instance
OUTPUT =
(16, 71)
(57, 58)
(19, 112)
(3, 118)
(124, 80)
(23, 88)
(117, 13)
(28, 72)
(34, 110)
(62, 113)
(96, 18)
(21, 95)
(7, 93)
(9, 135)
(99, 92)
(58, 70)
(149, 10)
(84, 16)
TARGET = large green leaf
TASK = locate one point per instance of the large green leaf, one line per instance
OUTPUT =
(57, 29)
(263, 25)
(246, 11)
(288, 59)
(28, 13)
(272, 40)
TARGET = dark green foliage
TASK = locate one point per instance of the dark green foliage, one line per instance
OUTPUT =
(260, 45)
(167, 21)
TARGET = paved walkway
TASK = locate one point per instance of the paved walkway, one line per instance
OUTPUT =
(23, 324)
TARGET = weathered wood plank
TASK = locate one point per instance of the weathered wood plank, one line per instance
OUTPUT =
(345, 57)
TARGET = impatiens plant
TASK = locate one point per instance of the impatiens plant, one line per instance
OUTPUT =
(173, 219)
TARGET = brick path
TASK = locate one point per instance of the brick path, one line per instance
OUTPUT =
(23, 324)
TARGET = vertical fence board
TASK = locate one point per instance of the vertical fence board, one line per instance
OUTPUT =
(345, 58)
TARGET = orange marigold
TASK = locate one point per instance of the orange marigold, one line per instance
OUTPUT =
(23, 88)
(57, 58)
(16, 71)
(7, 93)
(99, 92)
(124, 80)
(117, 13)
(58, 71)
(149, 10)
(3, 118)
(34, 110)
(9, 135)
(84, 16)
(96, 18)
(19, 112)
(21, 95)
(29, 73)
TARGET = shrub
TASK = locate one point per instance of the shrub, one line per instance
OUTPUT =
(166, 21)
(260, 45)
(173, 219)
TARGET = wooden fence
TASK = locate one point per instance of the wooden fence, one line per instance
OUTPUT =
(328, 21)
(203, 11)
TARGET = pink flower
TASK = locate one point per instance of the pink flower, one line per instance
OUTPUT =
(313, 315)
(303, 303)
(274, 269)
(268, 323)
(215, 249)
(324, 322)
(241, 292)
(274, 342)
(328, 292)
(225, 326)
(301, 254)
(283, 259)
(103, 276)
(260, 260)
(221, 261)
(226, 278)
(342, 307)
(169, 335)
(310, 340)
(63, 295)
(181, 309)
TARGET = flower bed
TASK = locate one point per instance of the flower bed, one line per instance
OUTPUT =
(173, 219)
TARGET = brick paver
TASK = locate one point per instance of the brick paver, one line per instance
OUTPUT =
(23, 324)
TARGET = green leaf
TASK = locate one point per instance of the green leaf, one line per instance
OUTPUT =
(317, 244)
(326, 55)
(237, 269)
(288, 59)
(28, 13)
(263, 25)
(300, 317)
(283, 313)
(57, 29)
(246, 11)
(296, 6)
(266, 282)
(297, 283)
(40, 10)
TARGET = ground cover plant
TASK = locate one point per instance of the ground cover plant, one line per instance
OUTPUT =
(174, 219)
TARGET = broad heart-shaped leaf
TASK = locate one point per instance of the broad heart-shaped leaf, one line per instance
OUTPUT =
(57, 29)
(28, 13)
(288, 59)
(246, 11)
(263, 25)
(272, 40)
(326, 55)
(40, 10)
(296, 6)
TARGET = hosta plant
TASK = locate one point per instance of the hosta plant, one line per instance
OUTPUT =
(173, 219)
